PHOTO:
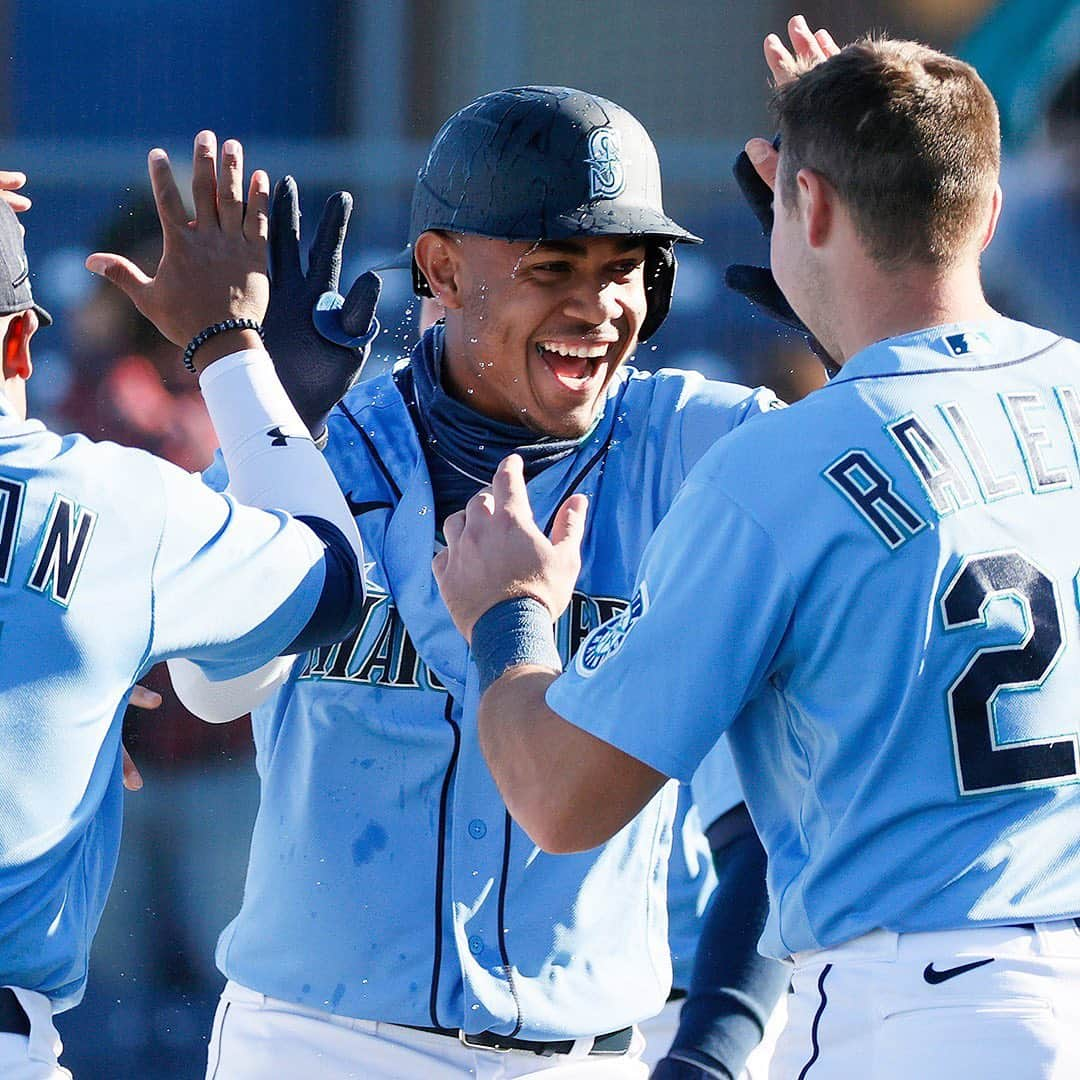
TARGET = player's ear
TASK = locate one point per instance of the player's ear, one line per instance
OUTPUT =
(17, 334)
(817, 204)
(436, 256)
(995, 213)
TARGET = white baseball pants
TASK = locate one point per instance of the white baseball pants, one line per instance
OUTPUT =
(33, 1057)
(1000, 1003)
(256, 1037)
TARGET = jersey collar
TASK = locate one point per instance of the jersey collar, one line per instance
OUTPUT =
(950, 347)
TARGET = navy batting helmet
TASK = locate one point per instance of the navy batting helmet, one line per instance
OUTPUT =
(548, 163)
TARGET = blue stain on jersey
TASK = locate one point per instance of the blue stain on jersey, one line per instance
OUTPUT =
(110, 560)
(457, 919)
(902, 713)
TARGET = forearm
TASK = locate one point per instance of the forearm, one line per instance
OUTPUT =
(548, 770)
(734, 988)
(270, 458)
(272, 463)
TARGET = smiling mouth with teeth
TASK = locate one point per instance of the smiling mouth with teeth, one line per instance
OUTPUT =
(572, 365)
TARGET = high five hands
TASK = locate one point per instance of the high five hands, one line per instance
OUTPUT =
(212, 268)
(495, 551)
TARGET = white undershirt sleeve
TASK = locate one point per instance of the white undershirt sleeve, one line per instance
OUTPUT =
(272, 463)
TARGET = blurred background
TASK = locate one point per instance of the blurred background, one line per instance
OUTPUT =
(348, 95)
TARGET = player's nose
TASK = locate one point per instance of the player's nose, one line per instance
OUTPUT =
(594, 302)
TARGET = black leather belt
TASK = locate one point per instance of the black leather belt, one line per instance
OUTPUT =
(614, 1042)
(13, 1021)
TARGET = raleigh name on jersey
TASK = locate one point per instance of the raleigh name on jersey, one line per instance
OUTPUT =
(891, 581)
(387, 880)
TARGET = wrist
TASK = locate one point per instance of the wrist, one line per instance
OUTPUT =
(207, 342)
(512, 632)
(225, 344)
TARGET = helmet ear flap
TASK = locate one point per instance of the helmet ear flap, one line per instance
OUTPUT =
(660, 267)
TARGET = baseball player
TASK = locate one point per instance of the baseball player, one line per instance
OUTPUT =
(395, 921)
(875, 593)
(111, 560)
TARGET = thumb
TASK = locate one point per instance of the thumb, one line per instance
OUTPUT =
(120, 271)
(358, 311)
(508, 485)
(569, 525)
(764, 158)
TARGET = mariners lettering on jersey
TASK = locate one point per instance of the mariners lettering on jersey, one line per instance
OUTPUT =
(380, 652)
(945, 451)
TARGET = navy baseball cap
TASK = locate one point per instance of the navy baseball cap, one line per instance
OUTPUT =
(15, 294)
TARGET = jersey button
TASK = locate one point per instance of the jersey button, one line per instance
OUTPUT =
(477, 829)
(476, 945)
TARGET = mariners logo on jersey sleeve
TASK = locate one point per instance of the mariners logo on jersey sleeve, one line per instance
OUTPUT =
(607, 640)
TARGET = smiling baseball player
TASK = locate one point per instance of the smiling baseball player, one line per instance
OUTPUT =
(875, 593)
(395, 921)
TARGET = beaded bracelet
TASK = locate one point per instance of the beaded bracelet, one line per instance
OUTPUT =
(203, 336)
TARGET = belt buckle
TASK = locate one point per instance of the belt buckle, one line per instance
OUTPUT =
(463, 1038)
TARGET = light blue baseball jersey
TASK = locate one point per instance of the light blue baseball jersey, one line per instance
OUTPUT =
(386, 879)
(110, 560)
(876, 594)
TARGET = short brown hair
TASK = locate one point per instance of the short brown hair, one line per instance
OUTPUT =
(908, 137)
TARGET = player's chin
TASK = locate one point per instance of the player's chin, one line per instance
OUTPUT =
(570, 417)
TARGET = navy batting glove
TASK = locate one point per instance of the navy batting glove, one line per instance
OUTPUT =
(756, 283)
(677, 1068)
(318, 339)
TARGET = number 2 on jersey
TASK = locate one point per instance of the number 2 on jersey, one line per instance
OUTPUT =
(982, 765)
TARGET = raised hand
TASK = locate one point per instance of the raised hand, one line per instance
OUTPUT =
(756, 177)
(808, 47)
(212, 268)
(319, 340)
(755, 172)
(495, 551)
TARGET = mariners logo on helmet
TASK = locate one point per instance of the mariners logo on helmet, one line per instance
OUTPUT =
(547, 163)
(607, 640)
(606, 177)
